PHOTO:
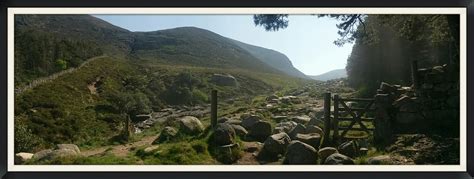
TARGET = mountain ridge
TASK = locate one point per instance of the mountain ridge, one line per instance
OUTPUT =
(333, 74)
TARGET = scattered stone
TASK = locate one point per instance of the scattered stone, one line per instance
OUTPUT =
(363, 151)
(60, 153)
(239, 130)
(380, 160)
(224, 134)
(312, 139)
(286, 126)
(150, 149)
(314, 129)
(249, 120)
(338, 159)
(272, 97)
(42, 154)
(326, 152)
(223, 119)
(274, 146)
(22, 157)
(68, 146)
(279, 118)
(348, 148)
(191, 125)
(261, 130)
(301, 119)
(167, 134)
(301, 153)
(298, 129)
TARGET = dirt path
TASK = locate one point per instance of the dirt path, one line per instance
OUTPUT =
(120, 150)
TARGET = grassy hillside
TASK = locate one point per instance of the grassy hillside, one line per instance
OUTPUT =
(272, 58)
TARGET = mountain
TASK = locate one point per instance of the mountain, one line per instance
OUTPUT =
(273, 58)
(333, 74)
(178, 46)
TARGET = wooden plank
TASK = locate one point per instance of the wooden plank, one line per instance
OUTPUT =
(336, 121)
(365, 119)
(327, 117)
(214, 108)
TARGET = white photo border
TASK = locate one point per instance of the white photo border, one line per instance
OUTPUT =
(462, 167)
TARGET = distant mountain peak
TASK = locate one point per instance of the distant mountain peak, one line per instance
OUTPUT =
(333, 74)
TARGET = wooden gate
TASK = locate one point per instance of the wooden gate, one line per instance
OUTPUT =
(344, 112)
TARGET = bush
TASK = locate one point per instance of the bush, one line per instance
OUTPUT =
(25, 140)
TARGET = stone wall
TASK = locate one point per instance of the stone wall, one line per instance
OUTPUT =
(431, 107)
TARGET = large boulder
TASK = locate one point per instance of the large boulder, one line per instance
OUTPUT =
(190, 125)
(273, 146)
(22, 157)
(311, 139)
(239, 130)
(261, 130)
(349, 148)
(298, 129)
(224, 80)
(68, 146)
(314, 129)
(300, 153)
(167, 134)
(249, 120)
(224, 134)
(326, 152)
(338, 159)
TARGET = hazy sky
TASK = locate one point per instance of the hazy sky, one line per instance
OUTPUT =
(308, 40)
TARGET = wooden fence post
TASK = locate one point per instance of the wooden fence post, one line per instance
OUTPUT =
(213, 108)
(327, 117)
(414, 74)
(335, 135)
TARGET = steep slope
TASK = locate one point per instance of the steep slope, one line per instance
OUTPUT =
(333, 74)
(272, 58)
(197, 47)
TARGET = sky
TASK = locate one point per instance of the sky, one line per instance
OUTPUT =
(307, 41)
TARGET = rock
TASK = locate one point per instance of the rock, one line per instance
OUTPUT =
(273, 146)
(286, 126)
(380, 160)
(326, 152)
(300, 153)
(279, 118)
(271, 97)
(316, 122)
(42, 154)
(239, 130)
(223, 119)
(226, 153)
(250, 120)
(234, 122)
(150, 149)
(167, 134)
(261, 130)
(224, 134)
(312, 139)
(314, 129)
(224, 80)
(301, 119)
(363, 151)
(338, 159)
(191, 125)
(348, 148)
(69, 146)
(387, 87)
(60, 153)
(290, 100)
(298, 129)
(22, 157)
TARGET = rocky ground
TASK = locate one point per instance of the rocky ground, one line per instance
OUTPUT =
(284, 128)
